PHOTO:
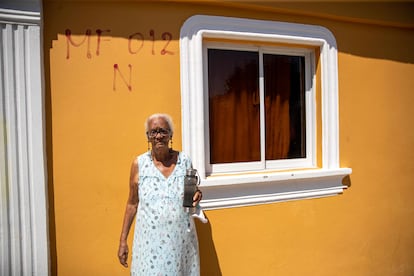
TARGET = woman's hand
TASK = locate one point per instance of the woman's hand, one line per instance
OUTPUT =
(123, 253)
(197, 197)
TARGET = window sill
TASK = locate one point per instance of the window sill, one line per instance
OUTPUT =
(236, 191)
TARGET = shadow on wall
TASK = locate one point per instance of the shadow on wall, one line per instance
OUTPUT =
(347, 181)
(208, 256)
(50, 182)
(387, 24)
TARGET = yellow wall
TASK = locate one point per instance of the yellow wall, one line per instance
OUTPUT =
(95, 129)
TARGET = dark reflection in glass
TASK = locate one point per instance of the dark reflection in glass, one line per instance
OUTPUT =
(284, 79)
(233, 106)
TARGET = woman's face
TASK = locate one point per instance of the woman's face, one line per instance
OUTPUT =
(159, 133)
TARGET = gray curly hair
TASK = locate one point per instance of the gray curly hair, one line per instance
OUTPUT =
(164, 116)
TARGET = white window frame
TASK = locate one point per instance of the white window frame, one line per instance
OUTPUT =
(310, 160)
(242, 189)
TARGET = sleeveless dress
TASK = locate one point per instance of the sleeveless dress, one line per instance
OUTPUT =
(165, 238)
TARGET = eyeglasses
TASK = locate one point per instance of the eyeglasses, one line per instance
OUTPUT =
(163, 132)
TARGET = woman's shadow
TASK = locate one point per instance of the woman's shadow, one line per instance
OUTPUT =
(208, 256)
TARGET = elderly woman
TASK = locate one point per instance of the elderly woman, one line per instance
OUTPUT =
(165, 238)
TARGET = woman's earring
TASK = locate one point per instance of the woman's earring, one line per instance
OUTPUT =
(171, 143)
(149, 145)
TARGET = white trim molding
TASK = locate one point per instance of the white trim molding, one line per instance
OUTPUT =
(273, 187)
(19, 17)
(260, 187)
(24, 229)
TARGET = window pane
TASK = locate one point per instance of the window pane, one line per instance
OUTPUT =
(234, 106)
(284, 78)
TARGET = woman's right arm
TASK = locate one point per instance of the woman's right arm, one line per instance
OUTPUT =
(130, 212)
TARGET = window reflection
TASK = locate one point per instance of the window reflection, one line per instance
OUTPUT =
(234, 106)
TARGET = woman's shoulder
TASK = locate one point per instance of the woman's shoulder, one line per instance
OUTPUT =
(182, 154)
(184, 158)
(147, 153)
(143, 157)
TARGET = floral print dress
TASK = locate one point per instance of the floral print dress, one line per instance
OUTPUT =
(165, 239)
